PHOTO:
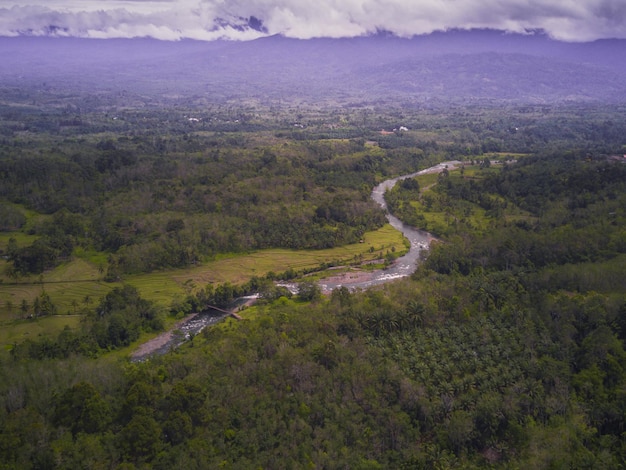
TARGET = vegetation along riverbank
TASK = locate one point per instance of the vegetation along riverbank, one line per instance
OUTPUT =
(505, 348)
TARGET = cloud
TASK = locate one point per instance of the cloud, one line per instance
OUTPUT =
(570, 20)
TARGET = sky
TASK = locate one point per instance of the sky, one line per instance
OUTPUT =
(568, 20)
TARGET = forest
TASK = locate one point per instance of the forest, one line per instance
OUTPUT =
(505, 348)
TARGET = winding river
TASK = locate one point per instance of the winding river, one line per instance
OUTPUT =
(402, 267)
(419, 239)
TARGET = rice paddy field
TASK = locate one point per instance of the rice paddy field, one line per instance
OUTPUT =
(78, 283)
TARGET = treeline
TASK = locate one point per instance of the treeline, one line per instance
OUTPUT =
(576, 207)
(122, 315)
(168, 188)
(59, 235)
(414, 375)
(171, 209)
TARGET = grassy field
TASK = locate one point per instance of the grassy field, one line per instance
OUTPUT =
(20, 237)
(162, 287)
(79, 284)
(19, 330)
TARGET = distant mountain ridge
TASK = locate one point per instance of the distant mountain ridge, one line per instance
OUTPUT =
(455, 65)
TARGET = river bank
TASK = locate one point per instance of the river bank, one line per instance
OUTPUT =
(186, 328)
(353, 279)
(149, 347)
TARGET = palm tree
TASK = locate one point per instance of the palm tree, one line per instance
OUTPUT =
(24, 308)
(9, 306)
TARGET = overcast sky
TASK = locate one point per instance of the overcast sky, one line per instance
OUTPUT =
(570, 20)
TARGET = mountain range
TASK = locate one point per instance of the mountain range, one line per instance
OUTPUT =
(452, 66)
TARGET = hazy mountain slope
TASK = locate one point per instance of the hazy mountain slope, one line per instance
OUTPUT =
(492, 75)
(457, 65)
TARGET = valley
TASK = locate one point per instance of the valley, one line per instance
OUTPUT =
(138, 188)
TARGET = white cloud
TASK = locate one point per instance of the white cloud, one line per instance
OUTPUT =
(572, 20)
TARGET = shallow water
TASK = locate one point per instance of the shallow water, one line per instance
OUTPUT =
(420, 240)
(189, 328)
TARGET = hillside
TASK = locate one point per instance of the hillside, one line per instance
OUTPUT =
(453, 66)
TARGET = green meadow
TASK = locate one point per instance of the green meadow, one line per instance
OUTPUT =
(78, 283)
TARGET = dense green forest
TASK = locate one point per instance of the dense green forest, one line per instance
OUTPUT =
(162, 189)
(505, 349)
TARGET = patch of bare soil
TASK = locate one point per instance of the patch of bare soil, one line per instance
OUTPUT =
(346, 279)
(151, 346)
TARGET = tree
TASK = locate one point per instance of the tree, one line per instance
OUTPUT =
(140, 439)
(35, 258)
(45, 306)
(36, 307)
(174, 225)
(178, 427)
(82, 409)
(12, 248)
(224, 294)
(9, 306)
(309, 291)
(410, 184)
(120, 317)
(24, 308)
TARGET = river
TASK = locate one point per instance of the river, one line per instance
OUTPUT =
(419, 239)
(401, 267)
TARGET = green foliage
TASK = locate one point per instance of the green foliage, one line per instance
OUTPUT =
(140, 439)
(308, 291)
(506, 349)
(82, 409)
(564, 231)
(154, 203)
(116, 322)
(120, 317)
(35, 258)
(11, 218)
